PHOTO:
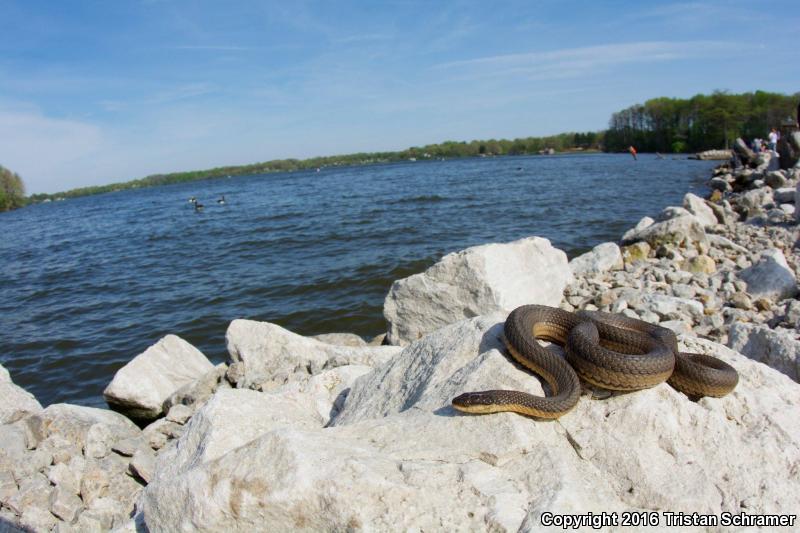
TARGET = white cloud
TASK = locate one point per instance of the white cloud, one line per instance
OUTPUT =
(574, 62)
(41, 148)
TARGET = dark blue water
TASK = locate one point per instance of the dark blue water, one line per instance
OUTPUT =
(87, 284)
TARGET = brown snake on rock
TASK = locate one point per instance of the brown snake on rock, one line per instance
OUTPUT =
(610, 351)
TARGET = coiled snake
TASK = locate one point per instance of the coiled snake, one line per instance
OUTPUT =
(610, 351)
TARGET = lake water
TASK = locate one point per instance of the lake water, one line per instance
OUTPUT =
(89, 283)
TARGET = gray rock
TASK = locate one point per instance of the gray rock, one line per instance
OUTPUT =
(776, 348)
(475, 281)
(698, 207)
(602, 258)
(775, 179)
(341, 339)
(269, 356)
(681, 230)
(745, 153)
(797, 202)
(15, 402)
(8, 486)
(784, 195)
(198, 391)
(179, 414)
(678, 326)
(65, 504)
(63, 477)
(72, 423)
(127, 447)
(231, 419)
(670, 307)
(140, 387)
(98, 441)
(94, 484)
(143, 464)
(770, 277)
(722, 242)
(719, 184)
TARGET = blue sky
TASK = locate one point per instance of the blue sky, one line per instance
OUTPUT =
(94, 92)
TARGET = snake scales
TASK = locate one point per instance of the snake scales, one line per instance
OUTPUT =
(610, 351)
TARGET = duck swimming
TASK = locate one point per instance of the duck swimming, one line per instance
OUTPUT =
(221, 200)
(197, 206)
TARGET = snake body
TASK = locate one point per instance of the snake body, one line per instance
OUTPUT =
(607, 350)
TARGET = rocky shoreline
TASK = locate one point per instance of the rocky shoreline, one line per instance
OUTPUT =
(334, 433)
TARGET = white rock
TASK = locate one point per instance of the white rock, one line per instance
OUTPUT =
(72, 423)
(685, 229)
(475, 281)
(722, 242)
(777, 348)
(140, 387)
(789, 209)
(678, 326)
(15, 402)
(143, 464)
(602, 258)
(698, 207)
(230, 419)
(671, 306)
(341, 339)
(65, 504)
(784, 195)
(770, 277)
(271, 355)
(98, 441)
(326, 391)
(179, 413)
(399, 457)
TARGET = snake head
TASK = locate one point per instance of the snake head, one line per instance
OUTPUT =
(476, 402)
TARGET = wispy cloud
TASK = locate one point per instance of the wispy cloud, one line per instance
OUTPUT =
(164, 96)
(26, 134)
(570, 62)
(212, 47)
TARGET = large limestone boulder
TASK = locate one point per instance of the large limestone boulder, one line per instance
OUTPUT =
(15, 402)
(602, 258)
(140, 387)
(770, 277)
(399, 457)
(81, 426)
(265, 356)
(682, 230)
(475, 281)
(698, 207)
(777, 348)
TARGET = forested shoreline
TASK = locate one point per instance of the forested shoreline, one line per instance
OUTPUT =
(668, 125)
(703, 122)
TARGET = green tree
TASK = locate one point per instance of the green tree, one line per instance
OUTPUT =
(12, 190)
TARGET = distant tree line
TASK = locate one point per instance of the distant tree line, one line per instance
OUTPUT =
(449, 149)
(12, 190)
(677, 125)
(703, 122)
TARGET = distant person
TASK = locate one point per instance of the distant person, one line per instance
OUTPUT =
(773, 139)
(632, 150)
(756, 145)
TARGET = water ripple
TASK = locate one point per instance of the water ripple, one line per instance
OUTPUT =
(89, 283)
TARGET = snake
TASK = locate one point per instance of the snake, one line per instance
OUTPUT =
(607, 350)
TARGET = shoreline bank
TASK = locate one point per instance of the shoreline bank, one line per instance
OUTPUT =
(717, 273)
